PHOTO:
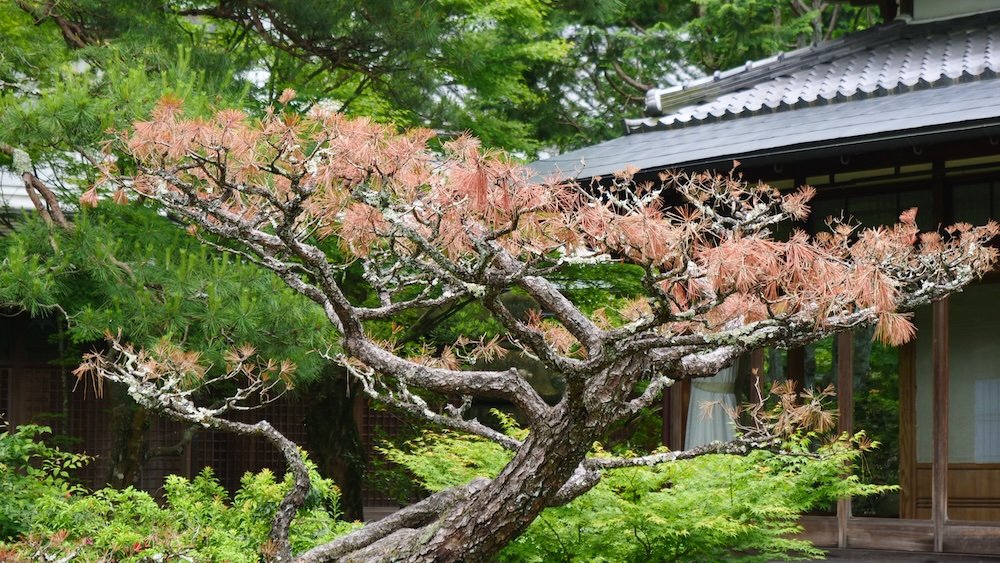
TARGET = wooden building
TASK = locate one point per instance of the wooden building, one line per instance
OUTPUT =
(903, 115)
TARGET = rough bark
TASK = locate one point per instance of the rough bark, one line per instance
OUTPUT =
(477, 529)
(413, 517)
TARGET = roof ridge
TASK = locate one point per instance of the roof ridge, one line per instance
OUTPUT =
(663, 101)
(887, 61)
(660, 123)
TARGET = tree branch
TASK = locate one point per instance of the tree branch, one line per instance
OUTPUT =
(412, 516)
(158, 384)
(35, 187)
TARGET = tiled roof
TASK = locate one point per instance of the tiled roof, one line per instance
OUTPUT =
(906, 120)
(893, 59)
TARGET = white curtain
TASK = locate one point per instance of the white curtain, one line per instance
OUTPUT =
(711, 423)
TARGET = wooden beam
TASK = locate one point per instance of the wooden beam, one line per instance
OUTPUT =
(845, 408)
(907, 431)
(819, 166)
(939, 477)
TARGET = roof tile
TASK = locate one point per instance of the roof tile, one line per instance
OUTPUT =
(969, 108)
(894, 59)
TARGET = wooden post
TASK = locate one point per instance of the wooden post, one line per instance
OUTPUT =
(678, 415)
(359, 405)
(845, 409)
(666, 422)
(939, 472)
(15, 416)
(797, 368)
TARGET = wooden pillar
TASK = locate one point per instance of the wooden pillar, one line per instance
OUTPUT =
(942, 204)
(15, 391)
(939, 472)
(939, 362)
(797, 368)
(887, 10)
(665, 413)
(675, 415)
(359, 411)
(907, 431)
(845, 408)
(678, 414)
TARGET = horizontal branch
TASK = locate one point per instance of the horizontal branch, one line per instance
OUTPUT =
(507, 385)
(739, 446)
(416, 515)
(164, 392)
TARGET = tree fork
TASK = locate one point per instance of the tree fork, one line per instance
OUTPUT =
(477, 529)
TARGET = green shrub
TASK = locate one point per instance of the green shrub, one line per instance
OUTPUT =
(45, 517)
(712, 508)
(31, 471)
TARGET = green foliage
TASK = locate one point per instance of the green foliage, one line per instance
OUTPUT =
(525, 75)
(731, 33)
(728, 33)
(593, 286)
(44, 516)
(30, 472)
(443, 460)
(59, 101)
(128, 269)
(876, 408)
(471, 320)
(712, 508)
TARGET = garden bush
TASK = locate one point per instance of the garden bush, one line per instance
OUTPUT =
(44, 517)
(711, 508)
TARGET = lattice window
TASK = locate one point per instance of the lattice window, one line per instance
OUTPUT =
(89, 424)
(975, 202)
(215, 449)
(378, 425)
(163, 433)
(231, 455)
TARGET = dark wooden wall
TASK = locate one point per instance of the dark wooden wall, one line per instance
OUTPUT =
(35, 390)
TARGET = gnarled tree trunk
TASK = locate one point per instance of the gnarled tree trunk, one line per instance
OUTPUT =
(478, 528)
